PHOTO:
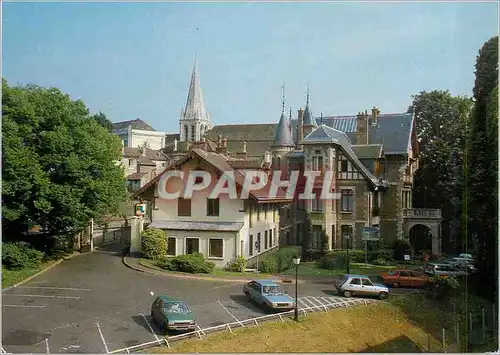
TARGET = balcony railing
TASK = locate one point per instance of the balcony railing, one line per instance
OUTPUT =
(425, 213)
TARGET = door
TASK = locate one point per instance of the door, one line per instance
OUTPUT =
(367, 287)
(405, 279)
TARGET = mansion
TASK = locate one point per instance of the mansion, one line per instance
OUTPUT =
(373, 157)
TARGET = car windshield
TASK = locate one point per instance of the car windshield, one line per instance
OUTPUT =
(273, 290)
(176, 307)
(391, 273)
(344, 279)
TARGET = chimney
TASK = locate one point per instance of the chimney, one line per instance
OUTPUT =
(162, 144)
(375, 114)
(267, 157)
(362, 128)
(245, 147)
(219, 143)
(224, 143)
(175, 144)
(123, 147)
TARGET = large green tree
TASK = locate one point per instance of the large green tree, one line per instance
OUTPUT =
(59, 164)
(441, 125)
(482, 167)
(103, 121)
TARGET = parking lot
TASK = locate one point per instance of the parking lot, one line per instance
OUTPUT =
(93, 304)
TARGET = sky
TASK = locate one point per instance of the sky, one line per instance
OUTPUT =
(134, 60)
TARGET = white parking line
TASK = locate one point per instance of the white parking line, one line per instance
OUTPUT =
(47, 345)
(42, 296)
(56, 288)
(321, 303)
(150, 327)
(303, 304)
(102, 337)
(236, 319)
(309, 301)
(21, 306)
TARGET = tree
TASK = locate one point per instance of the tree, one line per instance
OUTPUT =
(59, 166)
(103, 121)
(441, 125)
(482, 167)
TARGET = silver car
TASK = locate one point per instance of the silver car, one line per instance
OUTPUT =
(360, 285)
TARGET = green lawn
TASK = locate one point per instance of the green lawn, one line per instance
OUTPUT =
(12, 277)
(310, 269)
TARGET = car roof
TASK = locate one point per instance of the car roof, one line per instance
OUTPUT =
(357, 275)
(267, 282)
(168, 299)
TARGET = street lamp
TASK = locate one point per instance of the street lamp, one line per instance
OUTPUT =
(348, 237)
(296, 262)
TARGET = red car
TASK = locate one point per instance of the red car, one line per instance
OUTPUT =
(405, 278)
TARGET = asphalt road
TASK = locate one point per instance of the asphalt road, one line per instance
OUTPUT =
(94, 304)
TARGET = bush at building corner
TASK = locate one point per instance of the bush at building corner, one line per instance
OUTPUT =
(337, 259)
(154, 244)
(20, 255)
(402, 247)
(239, 264)
(190, 263)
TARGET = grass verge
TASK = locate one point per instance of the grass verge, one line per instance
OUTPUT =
(379, 328)
(216, 273)
(12, 277)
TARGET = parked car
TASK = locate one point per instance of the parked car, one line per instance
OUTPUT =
(444, 270)
(172, 314)
(268, 294)
(360, 285)
(405, 278)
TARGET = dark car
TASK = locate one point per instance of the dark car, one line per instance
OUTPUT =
(172, 314)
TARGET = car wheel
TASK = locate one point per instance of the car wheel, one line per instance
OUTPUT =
(383, 295)
(347, 294)
(395, 284)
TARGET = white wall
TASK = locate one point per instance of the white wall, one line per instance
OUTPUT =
(156, 140)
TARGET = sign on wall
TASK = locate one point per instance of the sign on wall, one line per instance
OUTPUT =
(140, 209)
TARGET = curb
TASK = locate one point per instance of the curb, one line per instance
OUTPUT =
(145, 270)
(43, 270)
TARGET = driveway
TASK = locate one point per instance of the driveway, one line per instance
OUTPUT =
(94, 304)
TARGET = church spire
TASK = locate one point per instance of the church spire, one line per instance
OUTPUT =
(283, 136)
(195, 106)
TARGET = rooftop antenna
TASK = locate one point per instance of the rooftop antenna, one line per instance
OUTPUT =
(283, 98)
(321, 119)
(290, 113)
(307, 94)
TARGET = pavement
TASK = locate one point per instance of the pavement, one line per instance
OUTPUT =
(94, 304)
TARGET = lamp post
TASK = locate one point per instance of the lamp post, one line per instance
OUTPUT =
(296, 262)
(348, 237)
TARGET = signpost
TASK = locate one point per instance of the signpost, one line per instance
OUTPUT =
(369, 234)
(257, 249)
(140, 209)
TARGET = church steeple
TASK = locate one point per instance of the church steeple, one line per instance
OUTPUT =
(308, 120)
(283, 136)
(194, 120)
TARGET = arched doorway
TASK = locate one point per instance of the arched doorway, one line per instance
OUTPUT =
(420, 237)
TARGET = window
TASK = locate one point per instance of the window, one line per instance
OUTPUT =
(270, 238)
(125, 142)
(250, 247)
(171, 246)
(317, 203)
(346, 231)
(404, 274)
(193, 130)
(317, 234)
(257, 246)
(183, 207)
(343, 166)
(258, 212)
(186, 136)
(215, 248)
(265, 240)
(347, 201)
(367, 282)
(333, 237)
(130, 162)
(192, 245)
(317, 163)
(242, 246)
(212, 207)
(355, 282)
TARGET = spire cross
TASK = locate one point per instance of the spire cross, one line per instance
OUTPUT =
(283, 98)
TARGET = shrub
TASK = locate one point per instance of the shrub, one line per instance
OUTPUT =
(268, 265)
(401, 247)
(239, 264)
(191, 263)
(332, 261)
(444, 288)
(382, 262)
(20, 255)
(154, 244)
(280, 260)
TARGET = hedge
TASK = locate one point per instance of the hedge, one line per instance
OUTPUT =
(20, 255)
(190, 263)
(277, 261)
(154, 244)
(336, 259)
(239, 264)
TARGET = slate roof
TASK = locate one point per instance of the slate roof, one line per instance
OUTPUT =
(369, 151)
(196, 225)
(327, 134)
(283, 136)
(136, 124)
(151, 154)
(308, 118)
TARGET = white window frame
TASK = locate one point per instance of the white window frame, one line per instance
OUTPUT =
(208, 249)
(185, 244)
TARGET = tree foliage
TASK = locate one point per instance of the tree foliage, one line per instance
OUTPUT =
(441, 125)
(482, 166)
(59, 165)
(103, 121)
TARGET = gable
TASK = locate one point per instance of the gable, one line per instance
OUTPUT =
(136, 124)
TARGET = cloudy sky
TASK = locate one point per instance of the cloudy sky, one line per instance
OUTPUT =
(135, 60)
